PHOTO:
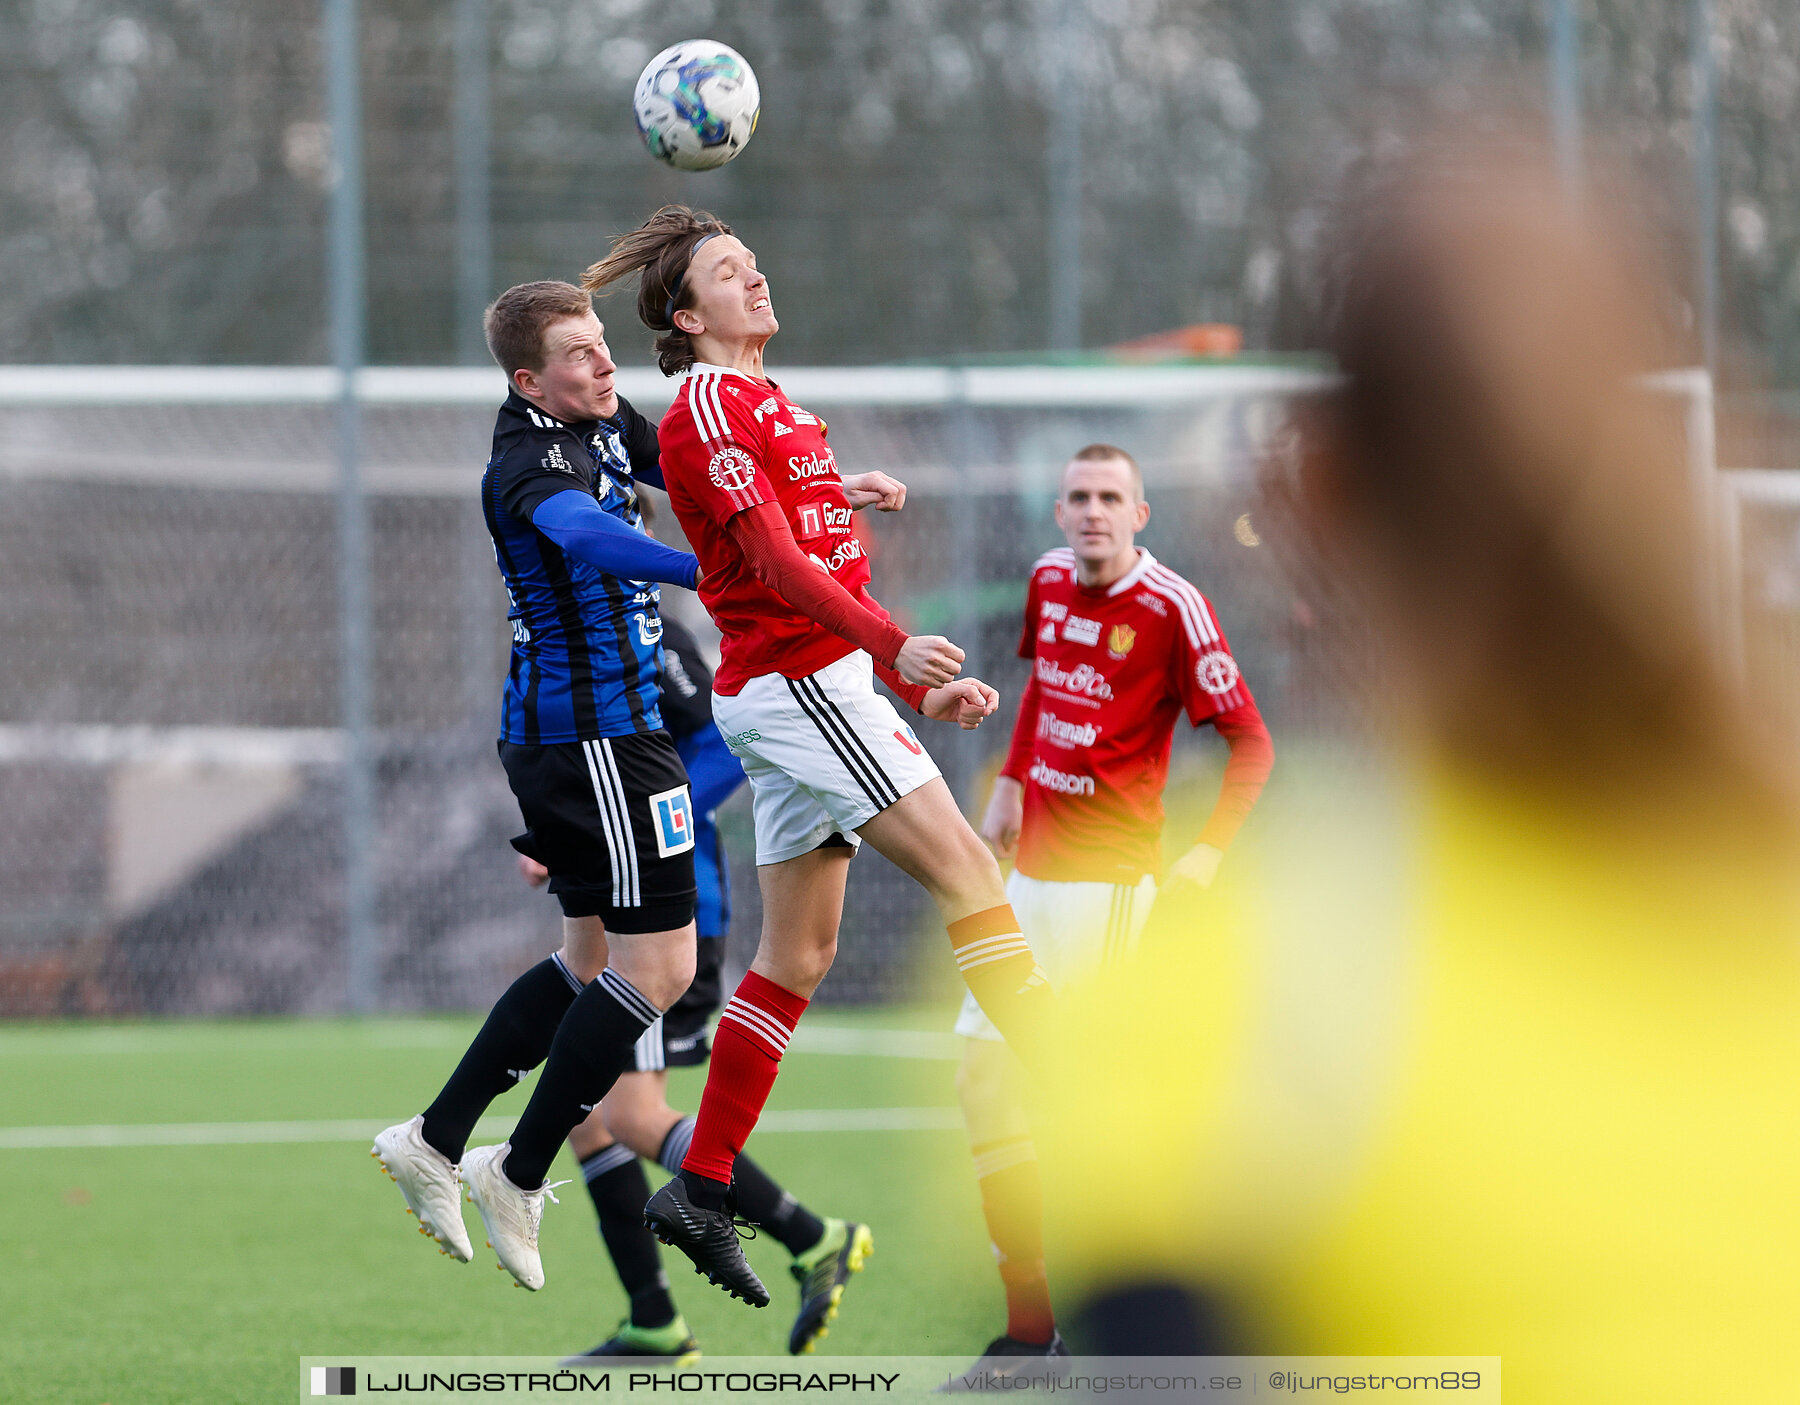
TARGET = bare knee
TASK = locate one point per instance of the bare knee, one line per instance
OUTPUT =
(793, 963)
(590, 1136)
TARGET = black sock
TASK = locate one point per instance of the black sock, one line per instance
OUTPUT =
(512, 1042)
(616, 1181)
(591, 1049)
(768, 1206)
(703, 1191)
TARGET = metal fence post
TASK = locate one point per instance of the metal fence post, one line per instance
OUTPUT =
(345, 278)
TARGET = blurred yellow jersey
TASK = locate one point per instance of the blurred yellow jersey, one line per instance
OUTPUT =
(1445, 1073)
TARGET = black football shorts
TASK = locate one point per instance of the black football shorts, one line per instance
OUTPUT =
(612, 821)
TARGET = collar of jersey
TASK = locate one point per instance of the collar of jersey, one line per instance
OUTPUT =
(580, 428)
(1131, 577)
(731, 371)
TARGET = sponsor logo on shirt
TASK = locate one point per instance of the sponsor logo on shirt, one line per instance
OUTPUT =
(743, 738)
(1153, 602)
(805, 466)
(649, 631)
(768, 407)
(732, 469)
(842, 555)
(1070, 734)
(817, 519)
(1050, 577)
(1079, 631)
(801, 417)
(1061, 781)
(1119, 640)
(1217, 672)
(1084, 680)
(1052, 611)
(559, 464)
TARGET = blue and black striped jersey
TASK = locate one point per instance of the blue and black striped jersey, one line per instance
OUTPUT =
(587, 645)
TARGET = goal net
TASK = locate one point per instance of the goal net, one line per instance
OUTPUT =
(171, 764)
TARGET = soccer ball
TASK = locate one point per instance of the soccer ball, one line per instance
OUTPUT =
(696, 104)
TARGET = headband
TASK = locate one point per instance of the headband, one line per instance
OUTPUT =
(675, 292)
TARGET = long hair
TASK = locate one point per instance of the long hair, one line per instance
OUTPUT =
(660, 251)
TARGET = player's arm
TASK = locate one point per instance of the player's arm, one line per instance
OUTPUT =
(1246, 772)
(641, 446)
(1005, 815)
(586, 531)
(762, 533)
(1213, 690)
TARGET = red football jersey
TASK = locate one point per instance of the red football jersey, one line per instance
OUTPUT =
(729, 442)
(1113, 668)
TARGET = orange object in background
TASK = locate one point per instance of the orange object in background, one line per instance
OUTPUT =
(1197, 339)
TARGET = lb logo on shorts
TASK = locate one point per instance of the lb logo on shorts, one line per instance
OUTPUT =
(732, 469)
(673, 814)
(1217, 672)
(906, 739)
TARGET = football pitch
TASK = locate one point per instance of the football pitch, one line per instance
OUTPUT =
(191, 1207)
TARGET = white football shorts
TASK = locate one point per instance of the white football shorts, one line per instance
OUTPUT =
(824, 754)
(1075, 930)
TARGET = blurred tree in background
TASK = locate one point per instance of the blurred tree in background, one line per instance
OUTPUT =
(165, 161)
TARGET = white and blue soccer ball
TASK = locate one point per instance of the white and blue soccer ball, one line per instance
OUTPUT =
(696, 104)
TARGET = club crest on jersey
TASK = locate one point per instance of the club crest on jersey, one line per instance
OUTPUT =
(1079, 631)
(732, 469)
(1119, 640)
(673, 813)
(556, 462)
(1217, 672)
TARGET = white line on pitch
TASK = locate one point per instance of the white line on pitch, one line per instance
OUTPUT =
(65, 1042)
(835, 1119)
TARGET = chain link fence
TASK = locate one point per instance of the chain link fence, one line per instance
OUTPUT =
(170, 762)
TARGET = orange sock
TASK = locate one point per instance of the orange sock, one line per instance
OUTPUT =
(1012, 1201)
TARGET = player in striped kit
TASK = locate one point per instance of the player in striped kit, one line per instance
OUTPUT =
(755, 483)
(1121, 646)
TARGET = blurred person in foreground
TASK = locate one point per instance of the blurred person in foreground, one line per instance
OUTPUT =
(1496, 1051)
(1121, 646)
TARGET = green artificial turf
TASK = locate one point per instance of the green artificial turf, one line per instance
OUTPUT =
(142, 1275)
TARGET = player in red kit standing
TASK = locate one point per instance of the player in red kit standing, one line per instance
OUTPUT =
(1121, 646)
(754, 482)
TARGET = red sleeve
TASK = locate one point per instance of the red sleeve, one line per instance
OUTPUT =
(1028, 635)
(912, 694)
(732, 445)
(768, 544)
(1207, 679)
(1252, 757)
(1024, 733)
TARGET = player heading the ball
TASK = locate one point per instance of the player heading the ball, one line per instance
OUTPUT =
(752, 477)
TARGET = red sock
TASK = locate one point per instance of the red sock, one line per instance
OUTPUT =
(1012, 1201)
(746, 1054)
(1004, 977)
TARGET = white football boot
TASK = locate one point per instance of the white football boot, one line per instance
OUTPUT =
(511, 1215)
(428, 1179)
